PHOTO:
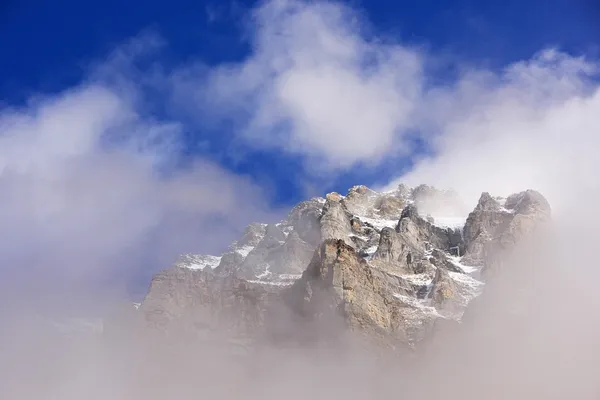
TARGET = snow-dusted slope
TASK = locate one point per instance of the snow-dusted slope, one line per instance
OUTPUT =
(277, 254)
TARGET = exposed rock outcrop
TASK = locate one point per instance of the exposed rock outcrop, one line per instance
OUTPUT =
(384, 266)
(340, 289)
(207, 304)
(335, 223)
(497, 225)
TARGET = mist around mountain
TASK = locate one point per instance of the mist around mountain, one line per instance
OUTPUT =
(521, 336)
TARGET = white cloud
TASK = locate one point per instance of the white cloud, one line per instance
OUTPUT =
(534, 125)
(318, 83)
(315, 85)
(82, 199)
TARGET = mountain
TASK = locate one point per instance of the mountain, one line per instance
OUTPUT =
(386, 267)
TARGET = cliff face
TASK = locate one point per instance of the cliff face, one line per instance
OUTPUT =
(497, 225)
(384, 266)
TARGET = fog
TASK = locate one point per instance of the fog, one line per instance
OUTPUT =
(532, 334)
(81, 202)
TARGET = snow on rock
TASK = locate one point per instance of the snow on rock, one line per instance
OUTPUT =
(290, 277)
(418, 279)
(244, 250)
(502, 205)
(449, 222)
(286, 229)
(413, 302)
(469, 287)
(198, 261)
(416, 312)
(369, 252)
(380, 223)
(465, 279)
(466, 268)
(271, 283)
(265, 274)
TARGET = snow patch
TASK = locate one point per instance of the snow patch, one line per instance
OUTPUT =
(370, 252)
(266, 273)
(468, 288)
(363, 237)
(416, 310)
(198, 262)
(244, 250)
(413, 302)
(285, 228)
(380, 223)
(466, 280)
(271, 283)
(290, 277)
(449, 222)
(471, 286)
(418, 279)
(502, 203)
(466, 268)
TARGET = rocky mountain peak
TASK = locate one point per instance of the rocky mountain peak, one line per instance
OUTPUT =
(386, 264)
(528, 202)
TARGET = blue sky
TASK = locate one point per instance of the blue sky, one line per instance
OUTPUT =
(129, 129)
(51, 44)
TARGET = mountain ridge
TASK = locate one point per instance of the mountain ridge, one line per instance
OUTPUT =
(390, 263)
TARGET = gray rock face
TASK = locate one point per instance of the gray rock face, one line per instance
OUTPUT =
(253, 234)
(207, 304)
(361, 200)
(497, 224)
(390, 207)
(292, 257)
(339, 290)
(229, 262)
(304, 220)
(489, 218)
(335, 223)
(528, 202)
(421, 230)
(263, 257)
(372, 263)
(393, 249)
